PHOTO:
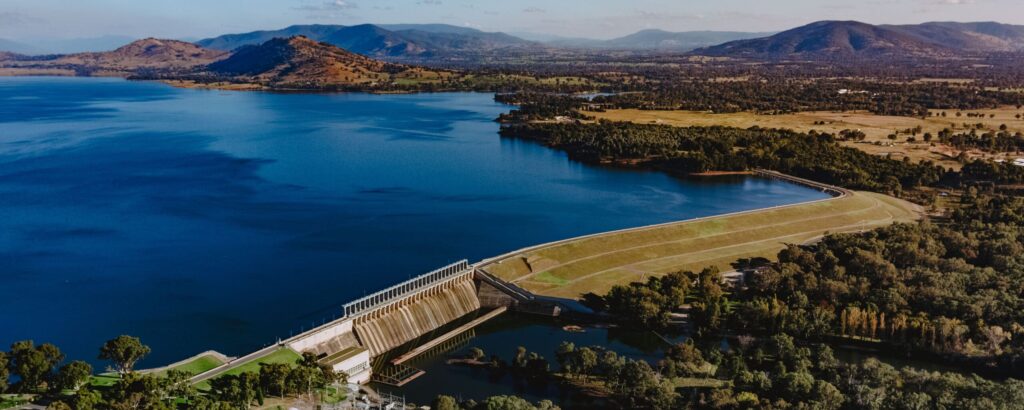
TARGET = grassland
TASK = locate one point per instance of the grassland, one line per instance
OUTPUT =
(8, 401)
(596, 263)
(876, 127)
(196, 365)
(282, 355)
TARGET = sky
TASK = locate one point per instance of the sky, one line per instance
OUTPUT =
(192, 19)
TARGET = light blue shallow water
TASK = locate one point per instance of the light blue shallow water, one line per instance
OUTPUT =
(223, 220)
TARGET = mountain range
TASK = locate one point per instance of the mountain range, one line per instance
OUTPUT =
(846, 38)
(400, 40)
(427, 42)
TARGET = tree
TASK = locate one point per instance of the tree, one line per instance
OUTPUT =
(4, 374)
(87, 399)
(73, 375)
(33, 365)
(520, 358)
(239, 390)
(274, 377)
(639, 386)
(564, 356)
(138, 391)
(179, 384)
(444, 403)
(512, 403)
(58, 405)
(586, 360)
(124, 351)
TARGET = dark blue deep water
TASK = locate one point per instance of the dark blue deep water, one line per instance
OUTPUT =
(223, 220)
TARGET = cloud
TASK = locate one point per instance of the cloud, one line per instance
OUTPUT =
(534, 10)
(430, 2)
(331, 5)
(955, 2)
(328, 9)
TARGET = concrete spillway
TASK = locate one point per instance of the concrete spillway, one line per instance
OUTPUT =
(394, 326)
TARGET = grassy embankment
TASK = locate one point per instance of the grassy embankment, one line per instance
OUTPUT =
(282, 355)
(876, 127)
(195, 365)
(594, 264)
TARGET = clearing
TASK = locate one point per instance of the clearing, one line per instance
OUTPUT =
(876, 127)
(595, 263)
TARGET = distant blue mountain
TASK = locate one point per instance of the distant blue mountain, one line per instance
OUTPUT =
(16, 47)
(659, 40)
(393, 40)
(64, 46)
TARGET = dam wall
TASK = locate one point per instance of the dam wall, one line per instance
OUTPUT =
(321, 335)
(379, 322)
(395, 324)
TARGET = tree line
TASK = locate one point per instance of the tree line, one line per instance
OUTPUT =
(40, 371)
(685, 150)
(775, 371)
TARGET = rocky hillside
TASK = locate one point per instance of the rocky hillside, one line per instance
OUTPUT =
(301, 62)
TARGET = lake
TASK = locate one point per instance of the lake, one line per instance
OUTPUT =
(201, 219)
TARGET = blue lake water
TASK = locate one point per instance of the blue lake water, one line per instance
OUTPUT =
(223, 220)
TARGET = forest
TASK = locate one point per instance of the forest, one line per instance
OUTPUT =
(815, 156)
(950, 293)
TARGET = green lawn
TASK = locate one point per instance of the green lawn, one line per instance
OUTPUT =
(283, 355)
(104, 380)
(596, 263)
(197, 365)
(333, 395)
(11, 400)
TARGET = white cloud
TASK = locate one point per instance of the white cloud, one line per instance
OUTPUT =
(328, 9)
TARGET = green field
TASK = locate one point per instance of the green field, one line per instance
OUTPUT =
(197, 365)
(595, 264)
(282, 355)
(12, 400)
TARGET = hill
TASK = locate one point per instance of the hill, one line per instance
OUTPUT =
(143, 56)
(846, 38)
(984, 36)
(230, 42)
(15, 47)
(659, 40)
(382, 41)
(300, 62)
(830, 38)
(148, 53)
